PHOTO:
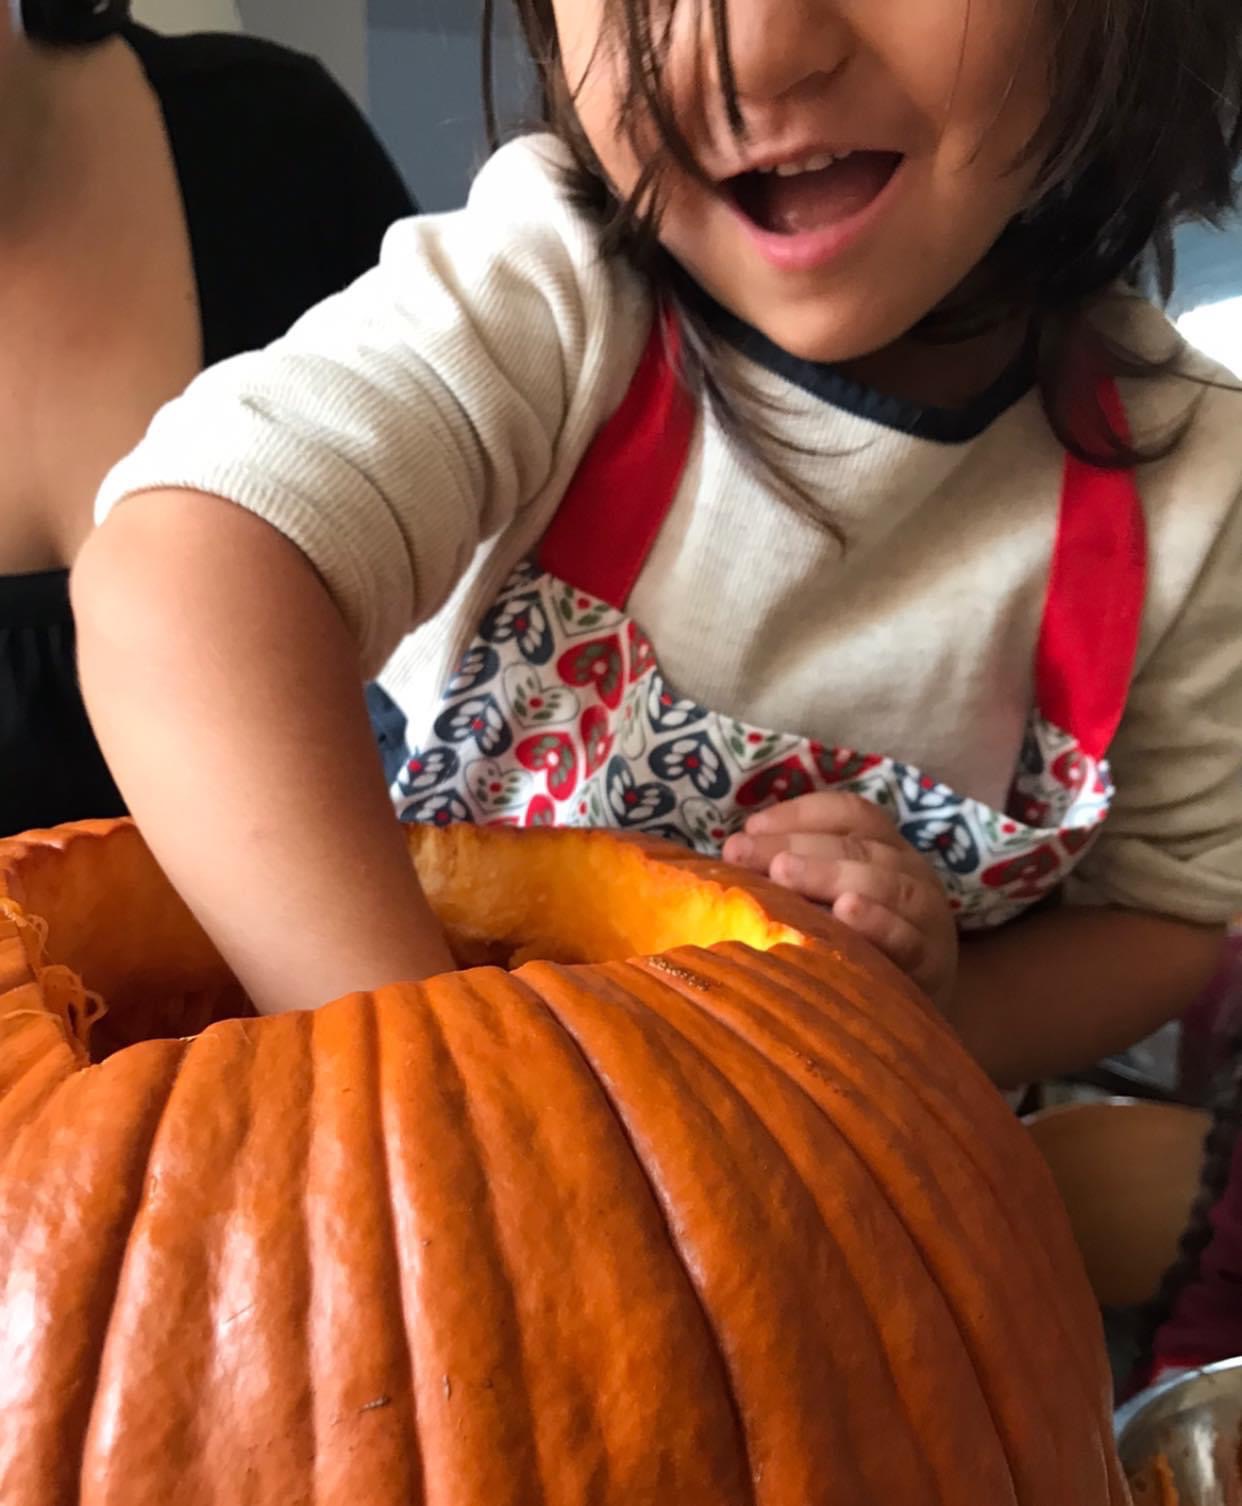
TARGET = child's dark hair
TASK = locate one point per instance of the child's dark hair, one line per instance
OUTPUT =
(1145, 130)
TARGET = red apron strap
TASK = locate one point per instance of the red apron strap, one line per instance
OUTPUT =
(605, 527)
(1096, 589)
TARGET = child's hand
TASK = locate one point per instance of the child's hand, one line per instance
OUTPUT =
(844, 851)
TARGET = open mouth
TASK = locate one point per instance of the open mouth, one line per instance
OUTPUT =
(803, 197)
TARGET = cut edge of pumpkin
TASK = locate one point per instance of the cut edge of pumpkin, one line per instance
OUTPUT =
(572, 896)
(587, 896)
(34, 987)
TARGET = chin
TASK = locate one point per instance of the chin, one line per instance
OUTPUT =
(826, 325)
(828, 319)
(814, 335)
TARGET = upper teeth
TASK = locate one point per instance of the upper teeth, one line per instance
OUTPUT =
(814, 164)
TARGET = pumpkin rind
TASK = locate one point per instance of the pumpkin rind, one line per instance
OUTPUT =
(735, 1223)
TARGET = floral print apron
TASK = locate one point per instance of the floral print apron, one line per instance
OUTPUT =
(558, 713)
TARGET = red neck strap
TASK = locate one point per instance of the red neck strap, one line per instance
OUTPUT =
(614, 509)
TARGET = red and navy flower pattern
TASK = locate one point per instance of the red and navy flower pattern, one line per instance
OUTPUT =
(559, 715)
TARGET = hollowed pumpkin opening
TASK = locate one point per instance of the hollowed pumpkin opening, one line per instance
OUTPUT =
(115, 926)
(508, 897)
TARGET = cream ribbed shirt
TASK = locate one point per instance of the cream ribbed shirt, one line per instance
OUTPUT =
(414, 435)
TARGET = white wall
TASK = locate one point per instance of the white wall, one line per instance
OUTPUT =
(1216, 328)
(1208, 296)
(188, 15)
(334, 31)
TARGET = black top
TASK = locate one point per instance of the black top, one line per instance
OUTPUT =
(287, 195)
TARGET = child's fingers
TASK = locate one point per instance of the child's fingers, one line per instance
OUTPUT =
(760, 852)
(893, 899)
(828, 813)
(900, 941)
(916, 899)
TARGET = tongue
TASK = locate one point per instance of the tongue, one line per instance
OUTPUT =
(813, 201)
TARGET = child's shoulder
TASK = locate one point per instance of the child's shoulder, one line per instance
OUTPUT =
(522, 232)
(1191, 392)
(527, 184)
(1192, 497)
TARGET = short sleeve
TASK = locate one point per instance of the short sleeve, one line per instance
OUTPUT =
(440, 400)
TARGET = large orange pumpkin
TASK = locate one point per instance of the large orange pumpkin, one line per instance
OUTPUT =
(709, 1211)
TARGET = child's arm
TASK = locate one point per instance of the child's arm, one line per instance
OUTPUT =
(1065, 988)
(225, 689)
(424, 421)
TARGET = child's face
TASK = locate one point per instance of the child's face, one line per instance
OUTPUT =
(935, 99)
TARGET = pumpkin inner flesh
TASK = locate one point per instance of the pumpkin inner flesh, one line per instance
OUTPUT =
(578, 901)
(581, 897)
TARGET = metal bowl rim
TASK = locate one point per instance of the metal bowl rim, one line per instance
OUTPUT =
(1132, 1409)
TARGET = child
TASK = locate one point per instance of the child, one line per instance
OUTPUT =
(781, 402)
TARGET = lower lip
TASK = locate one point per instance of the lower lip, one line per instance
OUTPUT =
(812, 250)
